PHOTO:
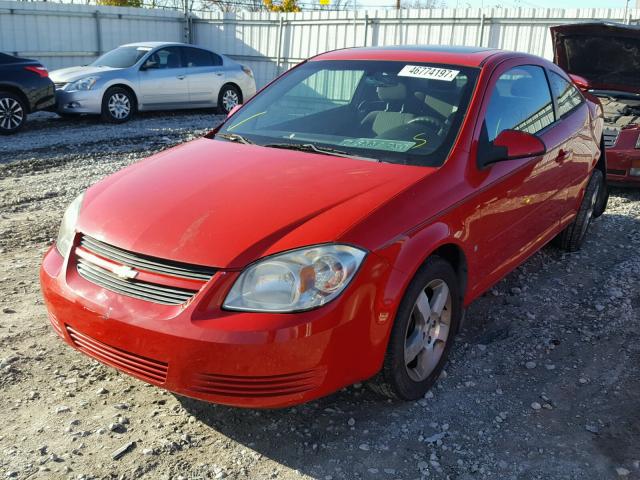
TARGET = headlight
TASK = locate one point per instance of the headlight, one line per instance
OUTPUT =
(68, 226)
(296, 280)
(82, 84)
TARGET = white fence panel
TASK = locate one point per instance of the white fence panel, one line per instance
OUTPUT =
(63, 34)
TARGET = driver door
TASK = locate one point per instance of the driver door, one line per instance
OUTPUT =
(521, 201)
(162, 80)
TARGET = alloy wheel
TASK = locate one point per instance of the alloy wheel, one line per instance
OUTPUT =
(428, 330)
(119, 106)
(11, 113)
(230, 99)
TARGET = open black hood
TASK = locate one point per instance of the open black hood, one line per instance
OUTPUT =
(606, 54)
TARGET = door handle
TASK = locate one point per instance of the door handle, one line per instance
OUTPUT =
(180, 77)
(219, 74)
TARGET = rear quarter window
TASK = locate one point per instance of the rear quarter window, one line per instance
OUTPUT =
(565, 93)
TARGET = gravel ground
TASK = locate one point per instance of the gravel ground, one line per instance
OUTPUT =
(544, 381)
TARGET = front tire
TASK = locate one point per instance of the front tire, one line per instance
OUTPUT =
(229, 97)
(13, 113)
(118, 105)
(572, 237)
(423, 332)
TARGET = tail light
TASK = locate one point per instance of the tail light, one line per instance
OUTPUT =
(39, 69)
(247, 70)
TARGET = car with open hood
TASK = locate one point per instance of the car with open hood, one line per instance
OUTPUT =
(332, 229)
(604, 59)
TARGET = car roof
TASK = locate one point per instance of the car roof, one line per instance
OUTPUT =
(159, 44)
(455, 55)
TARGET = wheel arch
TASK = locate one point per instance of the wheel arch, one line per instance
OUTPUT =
(232, 84)
(16, 91)
(125, 86)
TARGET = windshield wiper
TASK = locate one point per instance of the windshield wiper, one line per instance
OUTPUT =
(234, 137)
(310, 147)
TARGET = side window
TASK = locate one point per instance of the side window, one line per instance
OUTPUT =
(566, 94)
(196, 57)
(168, 57)
(520, 101)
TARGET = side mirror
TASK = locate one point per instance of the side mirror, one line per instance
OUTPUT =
(149, 64)
(234, 110)
(511, 145)
(581, 82)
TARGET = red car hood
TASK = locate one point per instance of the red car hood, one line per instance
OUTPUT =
(606, 54)
(224, 204)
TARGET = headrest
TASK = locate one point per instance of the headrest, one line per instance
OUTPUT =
(523, 86)
(173, 61)
(392, 92)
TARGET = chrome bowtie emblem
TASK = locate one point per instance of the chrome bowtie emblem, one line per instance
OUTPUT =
(124, 272)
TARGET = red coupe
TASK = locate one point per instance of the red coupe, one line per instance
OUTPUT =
(333, 229)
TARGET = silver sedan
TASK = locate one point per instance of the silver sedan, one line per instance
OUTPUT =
(152, 76)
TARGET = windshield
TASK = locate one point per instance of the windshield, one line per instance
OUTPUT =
(121, 57)
(387, 111)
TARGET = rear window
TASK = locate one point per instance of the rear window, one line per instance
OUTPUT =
(4, 58)
(566, 94)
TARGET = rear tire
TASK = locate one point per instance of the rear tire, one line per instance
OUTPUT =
(118, 105)
(229, 97)
(572, 237)
(13, 113)
(422, 334)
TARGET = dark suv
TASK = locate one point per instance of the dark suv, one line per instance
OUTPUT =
(25, 87)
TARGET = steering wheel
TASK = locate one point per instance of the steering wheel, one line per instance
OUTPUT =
(433, 122)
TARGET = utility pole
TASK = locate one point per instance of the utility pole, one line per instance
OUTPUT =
(398, 4)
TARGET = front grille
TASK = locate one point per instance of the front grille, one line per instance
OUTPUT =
(137, 365)
(262, 386)
(163, 293)
(146, 262)
(610, 136)
(133, 288)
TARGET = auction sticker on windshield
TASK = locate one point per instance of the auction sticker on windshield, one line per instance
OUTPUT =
(430, 73)
(378, 144)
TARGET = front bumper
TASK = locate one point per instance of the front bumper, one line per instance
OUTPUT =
(623, 166)
(85, 101)
(234, 358)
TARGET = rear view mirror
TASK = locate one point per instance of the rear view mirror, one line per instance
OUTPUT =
(234, 110)
(581, 82)
(511, 145)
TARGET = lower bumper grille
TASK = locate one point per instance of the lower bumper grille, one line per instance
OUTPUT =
(263, 386)
(136, 365)
(612, 171)
(54, 323)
